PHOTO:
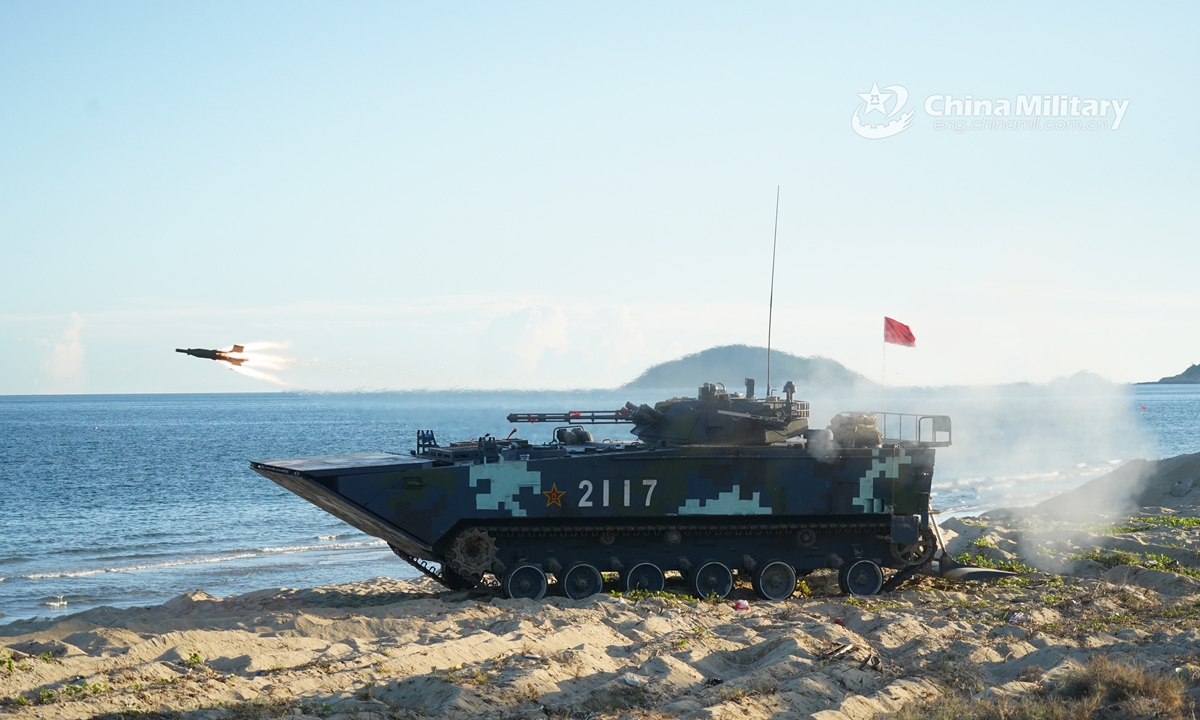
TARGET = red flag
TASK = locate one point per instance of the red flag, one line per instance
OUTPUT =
(898, 333)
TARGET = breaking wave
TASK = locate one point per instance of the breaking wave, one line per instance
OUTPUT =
(972, 493)
(229, 556)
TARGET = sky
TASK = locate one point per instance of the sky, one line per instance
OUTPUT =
(557, 195)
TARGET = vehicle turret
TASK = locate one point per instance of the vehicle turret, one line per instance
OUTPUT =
(714, 417)
(718, 417)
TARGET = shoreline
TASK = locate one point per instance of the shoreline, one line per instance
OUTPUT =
(405, 649)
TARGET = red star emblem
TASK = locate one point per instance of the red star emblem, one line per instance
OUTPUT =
(553, 496)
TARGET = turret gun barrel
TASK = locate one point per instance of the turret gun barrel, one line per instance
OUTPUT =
(577, 417)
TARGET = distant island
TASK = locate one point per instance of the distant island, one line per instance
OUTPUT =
(732, 364)
(1191, 376)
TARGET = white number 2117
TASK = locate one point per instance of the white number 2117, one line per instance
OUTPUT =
(587, 488)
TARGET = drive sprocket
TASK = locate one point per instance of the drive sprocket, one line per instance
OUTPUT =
(472, 554)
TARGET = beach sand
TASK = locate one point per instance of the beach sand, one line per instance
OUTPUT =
(1118, 585)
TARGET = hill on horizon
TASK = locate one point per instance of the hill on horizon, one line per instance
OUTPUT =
(1191, 376)
(732, 364)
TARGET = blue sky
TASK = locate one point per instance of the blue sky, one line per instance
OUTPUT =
(557, 195)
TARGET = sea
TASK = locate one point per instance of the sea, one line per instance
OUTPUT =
(128, 500)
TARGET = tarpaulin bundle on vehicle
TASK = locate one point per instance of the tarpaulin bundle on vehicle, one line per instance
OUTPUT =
(856, 429)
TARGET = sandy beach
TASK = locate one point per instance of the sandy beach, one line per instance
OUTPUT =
(1116, 580)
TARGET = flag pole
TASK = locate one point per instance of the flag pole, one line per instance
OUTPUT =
(883, 379)
(771, 301)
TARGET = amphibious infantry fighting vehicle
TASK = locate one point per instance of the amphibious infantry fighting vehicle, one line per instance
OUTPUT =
(721, 483)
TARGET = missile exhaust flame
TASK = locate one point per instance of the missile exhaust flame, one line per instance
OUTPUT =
(258, 375)
(249, 359)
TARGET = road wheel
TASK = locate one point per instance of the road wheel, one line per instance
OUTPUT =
(581, 580)
(861, 578)
(524, 581)
(775, 580)
(643, 576)
(710, 579)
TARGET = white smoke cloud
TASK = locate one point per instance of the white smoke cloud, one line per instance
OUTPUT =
(1014, 444)
(65, 366)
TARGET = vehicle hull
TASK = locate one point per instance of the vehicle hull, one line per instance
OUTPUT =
(613, 506)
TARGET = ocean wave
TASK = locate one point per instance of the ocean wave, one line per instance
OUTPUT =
(978, 493)
(323, 546)
(1078, 472)
(244, 555)
(118, 557)
(133, 568)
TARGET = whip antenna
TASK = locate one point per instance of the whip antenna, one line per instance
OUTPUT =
(771, 301)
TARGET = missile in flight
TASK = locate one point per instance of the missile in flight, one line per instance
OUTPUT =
(230, 356)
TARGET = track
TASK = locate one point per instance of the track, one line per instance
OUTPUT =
(424, 566)
(700, 528)
(609, 533)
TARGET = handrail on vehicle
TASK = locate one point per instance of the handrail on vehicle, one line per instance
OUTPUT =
(925, 430)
